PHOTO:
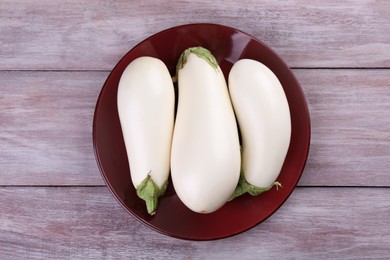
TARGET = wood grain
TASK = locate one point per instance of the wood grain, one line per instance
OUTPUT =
(46, 127)
(350, 121)
(93, 35)
(315, 223)
(54, 59)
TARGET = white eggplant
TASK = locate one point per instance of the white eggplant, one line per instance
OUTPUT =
(205, 156)
(146, 103)
(263, 116)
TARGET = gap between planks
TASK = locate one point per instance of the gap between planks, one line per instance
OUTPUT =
(100, 186)
(104, 70)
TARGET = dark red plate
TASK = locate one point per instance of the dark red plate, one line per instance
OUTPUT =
(228, 45)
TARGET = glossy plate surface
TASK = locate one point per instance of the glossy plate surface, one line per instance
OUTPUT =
(228, 45)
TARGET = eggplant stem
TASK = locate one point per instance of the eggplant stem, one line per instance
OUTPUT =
(198, 51)
(149, 191)
(244, 187)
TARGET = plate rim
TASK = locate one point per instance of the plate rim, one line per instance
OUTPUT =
(142, 220)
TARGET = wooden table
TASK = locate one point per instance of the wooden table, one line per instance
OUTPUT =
(54, 59)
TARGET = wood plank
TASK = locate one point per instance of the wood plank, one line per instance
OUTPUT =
(94, 35)
(46, 125)
(86, 222)
(350, 121)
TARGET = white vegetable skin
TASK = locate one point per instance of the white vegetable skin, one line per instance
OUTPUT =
(263, 117)
(146, 103)
(205, 160)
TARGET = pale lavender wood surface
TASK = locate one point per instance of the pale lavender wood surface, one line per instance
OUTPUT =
(46, 128)
(54, 59)
(314, 223)
(93, 35)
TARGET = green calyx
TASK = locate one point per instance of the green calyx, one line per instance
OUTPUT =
(198, 51)
(244, 187)
(150, 192)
